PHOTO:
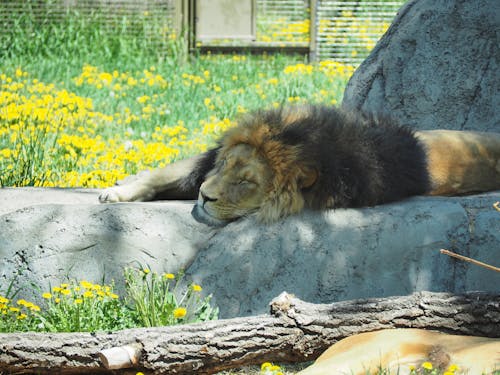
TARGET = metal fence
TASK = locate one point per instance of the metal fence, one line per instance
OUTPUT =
(348, 30)
(342, 30)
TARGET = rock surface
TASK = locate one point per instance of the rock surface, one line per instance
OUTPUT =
(436, 67)
(49, 234)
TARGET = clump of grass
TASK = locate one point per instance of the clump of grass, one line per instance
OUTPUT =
(83, 307)
(158, 303)
(150, 300)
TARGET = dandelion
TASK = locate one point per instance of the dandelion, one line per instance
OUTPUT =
(196, 288)
(180, 312)
(88, 294)
(85, 284)
(427, 365)
(265, 365)
(169, 276)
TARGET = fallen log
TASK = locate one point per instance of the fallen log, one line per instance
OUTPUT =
(295, 331)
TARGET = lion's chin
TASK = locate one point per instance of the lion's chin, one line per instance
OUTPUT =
(202, 216)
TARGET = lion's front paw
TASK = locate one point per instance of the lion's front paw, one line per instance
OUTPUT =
(110, 195)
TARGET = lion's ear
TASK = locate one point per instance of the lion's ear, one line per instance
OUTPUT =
(308, 177)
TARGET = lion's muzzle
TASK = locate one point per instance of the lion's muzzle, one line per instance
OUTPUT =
(202, 216)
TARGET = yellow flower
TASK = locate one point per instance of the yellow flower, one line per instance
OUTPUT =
(47, 295)
(265, 365)
(88, 294)
(196, 288)
(180, 312)
(427, 365)
(78, 301)
(146, 270)
(22, 316)
(85, 284)
(169, 276)
(453, 368)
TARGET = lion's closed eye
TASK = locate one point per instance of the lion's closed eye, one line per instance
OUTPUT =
(246, 182)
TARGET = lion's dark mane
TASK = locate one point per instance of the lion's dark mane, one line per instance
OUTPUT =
(361, 160)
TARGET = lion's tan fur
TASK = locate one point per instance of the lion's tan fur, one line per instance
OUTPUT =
(462, 162)
(398, 349)
(457, 162)
(288, 173)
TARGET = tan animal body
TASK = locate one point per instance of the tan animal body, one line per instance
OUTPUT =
(397, 350)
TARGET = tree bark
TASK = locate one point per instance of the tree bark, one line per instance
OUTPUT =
(295, 331)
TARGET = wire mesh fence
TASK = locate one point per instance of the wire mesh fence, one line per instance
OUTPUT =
(151, 24)
(283, 21)
(346, 30)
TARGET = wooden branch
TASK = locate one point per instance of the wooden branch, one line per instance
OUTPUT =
(295, 331)
(470, 260)
(121, 357)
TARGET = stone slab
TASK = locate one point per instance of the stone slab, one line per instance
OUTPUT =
(49, 234)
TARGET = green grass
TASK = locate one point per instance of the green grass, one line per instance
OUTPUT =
(141, 95)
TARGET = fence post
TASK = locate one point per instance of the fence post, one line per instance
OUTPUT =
(313, 30)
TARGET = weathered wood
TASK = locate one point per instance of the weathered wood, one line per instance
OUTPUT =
(120, 357)
(295, 331)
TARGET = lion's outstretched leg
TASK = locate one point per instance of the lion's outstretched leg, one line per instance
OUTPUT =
(148, 185)
(462, 162)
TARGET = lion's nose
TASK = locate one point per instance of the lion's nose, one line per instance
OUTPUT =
(206, 198)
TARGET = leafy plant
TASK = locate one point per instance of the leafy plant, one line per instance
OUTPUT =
(150, 300)
(157, 299)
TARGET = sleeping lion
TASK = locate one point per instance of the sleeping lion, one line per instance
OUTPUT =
(276, 163)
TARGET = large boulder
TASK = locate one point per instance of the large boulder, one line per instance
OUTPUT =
(48, 234)
(436, 67)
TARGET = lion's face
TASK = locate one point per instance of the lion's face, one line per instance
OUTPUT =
(237, 186)
(257, 172)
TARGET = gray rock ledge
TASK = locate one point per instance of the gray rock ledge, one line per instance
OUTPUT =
(49, 234)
